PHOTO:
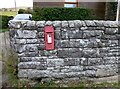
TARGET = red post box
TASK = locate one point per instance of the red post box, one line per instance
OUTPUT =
(49, 37)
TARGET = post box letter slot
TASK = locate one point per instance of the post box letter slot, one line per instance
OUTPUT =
(49, 38)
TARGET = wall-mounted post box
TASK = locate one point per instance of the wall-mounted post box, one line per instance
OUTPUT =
(49, 37)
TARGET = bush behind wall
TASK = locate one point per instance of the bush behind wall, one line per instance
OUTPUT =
(62, 14)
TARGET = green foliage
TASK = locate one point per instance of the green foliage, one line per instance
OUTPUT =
(4, 22)
(23, 11)
(62, 14)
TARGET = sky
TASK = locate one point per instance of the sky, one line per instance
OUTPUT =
(19, 3)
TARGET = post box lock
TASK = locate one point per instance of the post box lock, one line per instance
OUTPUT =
(49, 37)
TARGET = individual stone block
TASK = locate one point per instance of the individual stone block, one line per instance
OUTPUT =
(106, 70)
(95, 33)
(83, 61)
(41, 47)
(95, 61)
(20, 41)
(41, 40)
(41, 34)
(27, 65)
(111, 60)
(28, 34)
(110, 24)
(31, 54)
(71, 62)
(111, 31)
(48, 23)
(76, 68)
(64, 33)
(32, 73)
(41, 66)
(57, 23)
(75, 33)
(71, 24)
(75, 52)
(64, 43)
(90, 73)
(89, 52)
(32, 41)
(64, 23)
(22, 73)
(63, 53)
(41, 29)
(32, 47)
(31, 23)
(57, 35)
(90, 23)
(99, 23)
(55, 62)
(20, 48)
(79, 23)
(40, 23)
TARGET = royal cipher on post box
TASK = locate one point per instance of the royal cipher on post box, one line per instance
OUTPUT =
(49, 37)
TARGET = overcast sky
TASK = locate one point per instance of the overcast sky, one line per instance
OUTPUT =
(19, 3)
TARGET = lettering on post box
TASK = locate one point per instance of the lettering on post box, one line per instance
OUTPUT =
(49, 37)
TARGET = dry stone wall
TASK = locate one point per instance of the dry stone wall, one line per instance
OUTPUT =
(82, 49)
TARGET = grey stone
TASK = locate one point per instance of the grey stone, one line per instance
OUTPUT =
(31, 54)
(111, 60)
(75, 33)
(55, 62)
(41, 29)
(90, 73)
(41, 47)
(41, 41)
(40, 23)
(106, 70)
(95, 33)
(27, 65)
(95, 61)
(92, 53)
(29, 34)
(90, 23)
(63, 53)
(79, 23)
(64, 43)
(22, 73)
(110, 24)
(20, 41)
(57, 35)
(41, 66)
(99, 23)
(32, 41)
(31, 24)
(64, 33)
(64, 23)
(32, 47)
(71, 24)
(41, 35)
(57, 23)
(75, 52)
(111, 31)
(20, 48)
(48, 23)
(71, 62)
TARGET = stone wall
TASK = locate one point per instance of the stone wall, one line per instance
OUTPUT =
(82, 49)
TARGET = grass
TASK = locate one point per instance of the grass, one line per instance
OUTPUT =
(8, 13)
(4, 30)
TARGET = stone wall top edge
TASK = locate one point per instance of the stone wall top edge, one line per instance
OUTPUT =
(64, 23)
